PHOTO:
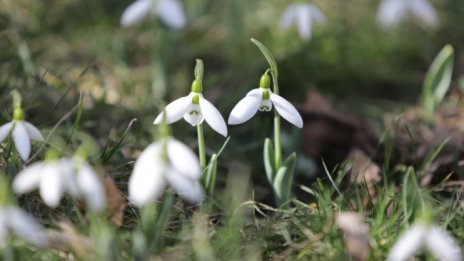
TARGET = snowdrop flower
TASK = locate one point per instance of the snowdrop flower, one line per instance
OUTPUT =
(262, 99)
(21, 131)
(169, 11)
(56, 177)
(303, 16)
(161, 163)
(436, 240)
(392, 12)
(194, 108)
(16, 220)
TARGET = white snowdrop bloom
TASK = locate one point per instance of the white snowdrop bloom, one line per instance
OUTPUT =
(22, 133)
(170, 12)
(262, 99)
(17, 221)
(432, 237)
(56, 177)
(180, 168)
(194, 108)
(392, 12)
(303, 16)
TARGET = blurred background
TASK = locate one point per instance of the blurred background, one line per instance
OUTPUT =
(346, 77)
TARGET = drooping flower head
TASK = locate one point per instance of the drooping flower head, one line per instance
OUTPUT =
(56, 176)
(21, 131)
(165, 162)
(194, 108)
(17, 221)
(392, 12)
(303, 16)
(430, 236)
(170, 12)
(263, 99)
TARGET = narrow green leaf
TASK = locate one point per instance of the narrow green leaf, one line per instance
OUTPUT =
(268, 154)
(211, 172)
(438, 79)
(277, 184)
(287, 182)
(270, 59)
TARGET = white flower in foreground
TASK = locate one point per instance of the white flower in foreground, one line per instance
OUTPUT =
(170, 12)
(194, 108)
(17, 221)
(22, 133)
(436, 240)
(262, 99)
(56, 177)
(180, 168)
(392, 12)
(303, 16)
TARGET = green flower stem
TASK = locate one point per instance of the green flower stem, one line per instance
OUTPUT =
(201, 146)
(277, 143)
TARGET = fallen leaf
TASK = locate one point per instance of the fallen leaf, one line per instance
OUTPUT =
(114, 201)
(355, 234)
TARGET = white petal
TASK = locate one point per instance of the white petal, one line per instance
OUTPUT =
(69, 179)
(408, 243)
(28, 179)
(287, 17)
(266, 105)
(3, 228)
(91, 188)
(25, 226)
(245, 109)
(304, 22)
(171, 13)
(188, 189)
(147, 181)
(442, 245)
(423, 10)
(51, 184)
(391, 12)
(317, 15)
(183, 159)
(194, 115)
(286, 110)
(5, 130)
(21, 140)
(213, 117)
(175, 110)
(33, 132)
(136, 12)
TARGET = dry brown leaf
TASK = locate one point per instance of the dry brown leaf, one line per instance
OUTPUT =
(355, 235)
(363, 169)
(69, 239)
(114, 201)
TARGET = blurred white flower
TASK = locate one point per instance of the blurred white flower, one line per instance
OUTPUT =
(22, 133)
(180, 168)
(262, 99)
(436, 240)
(16, 220)
(194, 108)
(303, 16)
(55, 177)
(392, 12)
(170, 12)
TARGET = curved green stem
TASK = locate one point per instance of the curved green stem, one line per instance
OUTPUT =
(201, 146)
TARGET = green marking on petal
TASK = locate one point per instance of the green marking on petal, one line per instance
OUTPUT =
(194, 112)
(196, 99)
(265, 95)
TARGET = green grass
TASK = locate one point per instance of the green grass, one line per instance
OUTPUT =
(84, 80)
